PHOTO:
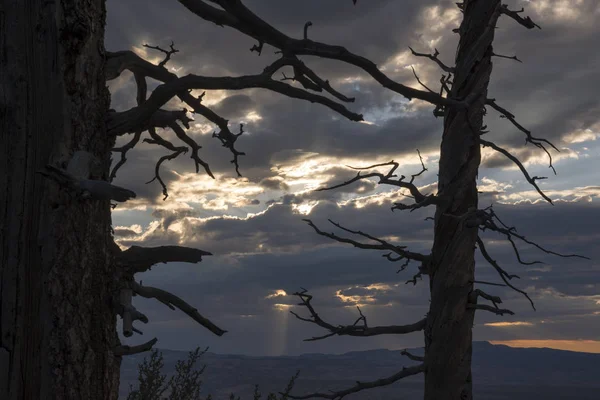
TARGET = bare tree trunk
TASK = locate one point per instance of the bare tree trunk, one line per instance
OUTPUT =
(56, 271)
(448, 333)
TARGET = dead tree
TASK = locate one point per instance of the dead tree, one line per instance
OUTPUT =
(451, 264)
(64, 279)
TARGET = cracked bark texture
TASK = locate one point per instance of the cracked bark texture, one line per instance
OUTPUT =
(448, 332)
(56, 271)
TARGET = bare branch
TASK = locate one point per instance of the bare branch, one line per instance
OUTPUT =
(126, 121)
(140, 259)
(412, 356)
(355, 329)
(123, 150)
(136, 315)
(168, 53)
(125, 350)
(526, 22)
(237, 16)
(485, 307)
(508, 57)
(421, 200)
(125, 299)
(419, 80)
(157, 170)
(529, 179)
(193, 145)
(434, 57)
(510, 232)
(472, 304)
(529, 139)
(382, 244)
(503, 274)
(488, 283)
(174, 301)
(360, 386)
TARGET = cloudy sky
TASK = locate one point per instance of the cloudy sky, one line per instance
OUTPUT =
(253, 225)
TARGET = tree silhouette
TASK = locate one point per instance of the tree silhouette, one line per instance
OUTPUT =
(63, 277)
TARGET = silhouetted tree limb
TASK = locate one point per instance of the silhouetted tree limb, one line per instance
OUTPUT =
(140, 259)
(171, 301)
(382, 244)
(360, 386)
(237, 16)
(355, 329)
(124, 350)
(515, 160)
(504, 113)
(505, 276)
(433, 57)
(421, 200)
(526, 22)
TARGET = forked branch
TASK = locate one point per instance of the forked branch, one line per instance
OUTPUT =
(421, 200)
(237, 16)
(511, 233)
(381, 244)
(472, 304)
(526, 22)
(505, 276)
(530, 179)
(358, 328)
(538, 142)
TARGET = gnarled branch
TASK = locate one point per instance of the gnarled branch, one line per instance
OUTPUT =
(237, 16)
(434, 57)
(526, 22)
(421, 200)
(382, 244)
(355, 329)
(140, 259)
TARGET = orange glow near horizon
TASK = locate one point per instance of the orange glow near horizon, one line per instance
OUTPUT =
(585, 346)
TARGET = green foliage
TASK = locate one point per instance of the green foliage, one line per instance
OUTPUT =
(186, 383)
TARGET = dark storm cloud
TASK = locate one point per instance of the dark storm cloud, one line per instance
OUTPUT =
(553, 93)
(236, 285)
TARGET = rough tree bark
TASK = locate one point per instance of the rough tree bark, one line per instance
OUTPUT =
(56, 273)
(448, 332)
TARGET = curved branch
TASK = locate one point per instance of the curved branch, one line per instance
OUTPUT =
(126, 121)
(515, 160)
(503, 274)
(510, 232)
(173, 301)
(387, 180)
(529, 139)
(360, 386)
(237, 16)
(125, 350)
(355, 329)
(383, 245)
(434, 57)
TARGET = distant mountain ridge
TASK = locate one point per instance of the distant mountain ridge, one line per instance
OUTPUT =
(499, 373)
